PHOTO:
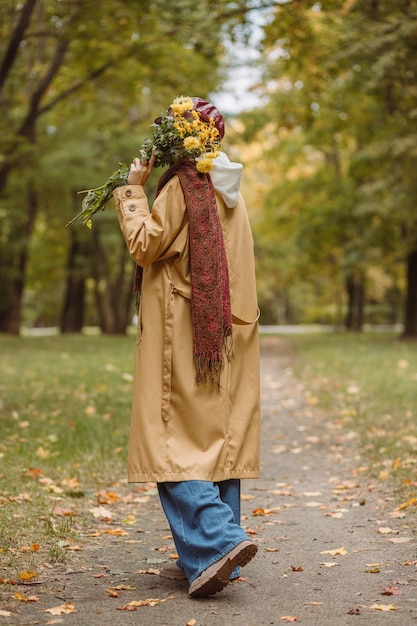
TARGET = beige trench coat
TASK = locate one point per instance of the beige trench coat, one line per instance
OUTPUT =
(181, 430)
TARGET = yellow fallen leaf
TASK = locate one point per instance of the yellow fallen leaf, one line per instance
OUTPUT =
(191, 622)
(130, 519)
(261, 512)
(341, 551)
(42, 453)
(27, 575)
(148, 602)
(62, 609)
(117, 532)
(404, 505)
(22, 598)
(383, 607)
(289, 618)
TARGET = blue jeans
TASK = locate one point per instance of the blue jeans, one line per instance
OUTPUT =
(204, 518)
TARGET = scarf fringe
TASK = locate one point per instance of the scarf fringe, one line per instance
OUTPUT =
(210, 366)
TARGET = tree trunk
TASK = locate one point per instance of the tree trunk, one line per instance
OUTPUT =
(72, 314)
(13, 283)
(114, 292)
(410, 313)
(355, 293)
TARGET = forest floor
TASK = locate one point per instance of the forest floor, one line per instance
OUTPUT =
(335, 547)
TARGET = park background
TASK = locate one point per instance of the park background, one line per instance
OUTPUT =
(326, 128)
(320, 101)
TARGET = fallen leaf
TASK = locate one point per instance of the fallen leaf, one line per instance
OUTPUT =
(390, 590)
(373, 570)
(289, 618)
(407, 504)
(112, 593)
(332, 564)
(385, 530)
(117, 532)
(58, 510)
(297, 568)
(22, 598)
(355, 611)
(130, 519)
(62, 609)
(107, 497)
(27, 575)
(100, 511)
(341, 551)
(271, 549)
(400, 540)
(383, 607)
(8, 581)
(261, 512)
(149, 571)
(132, 606)
(34, 548)
(72, 483)
(5, 613)
(191, 622)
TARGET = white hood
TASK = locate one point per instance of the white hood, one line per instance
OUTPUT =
(226, 178)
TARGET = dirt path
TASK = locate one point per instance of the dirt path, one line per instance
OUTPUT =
(333, 549)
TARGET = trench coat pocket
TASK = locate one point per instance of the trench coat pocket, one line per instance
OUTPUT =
(240, 322)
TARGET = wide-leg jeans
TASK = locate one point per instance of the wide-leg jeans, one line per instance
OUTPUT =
(204, 518)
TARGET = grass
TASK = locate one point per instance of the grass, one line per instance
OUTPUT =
(369, 383)
(64, 419)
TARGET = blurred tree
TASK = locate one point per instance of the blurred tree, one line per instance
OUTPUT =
(341, 143)
(101, 69)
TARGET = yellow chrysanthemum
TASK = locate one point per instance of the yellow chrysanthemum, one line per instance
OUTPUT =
(181, 105)
(191, 143)
(204, 164)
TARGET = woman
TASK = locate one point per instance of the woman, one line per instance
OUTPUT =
(195, 414)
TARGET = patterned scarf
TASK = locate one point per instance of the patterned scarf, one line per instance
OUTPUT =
(210, 293)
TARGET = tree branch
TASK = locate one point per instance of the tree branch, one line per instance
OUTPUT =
(33, 111)
(15, 40)
(68, 92)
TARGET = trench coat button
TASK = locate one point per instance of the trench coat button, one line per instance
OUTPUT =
(128, 193)
(132, 207)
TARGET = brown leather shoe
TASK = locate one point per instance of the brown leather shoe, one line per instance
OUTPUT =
(171, 571)
(216, 576)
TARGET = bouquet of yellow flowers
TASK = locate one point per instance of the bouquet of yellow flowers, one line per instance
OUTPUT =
(181, 134)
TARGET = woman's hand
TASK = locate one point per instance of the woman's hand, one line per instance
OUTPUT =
(140, 170)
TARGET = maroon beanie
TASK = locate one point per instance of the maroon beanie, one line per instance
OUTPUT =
(206, 110)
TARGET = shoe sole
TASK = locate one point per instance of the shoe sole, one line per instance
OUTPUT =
(216, 577)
